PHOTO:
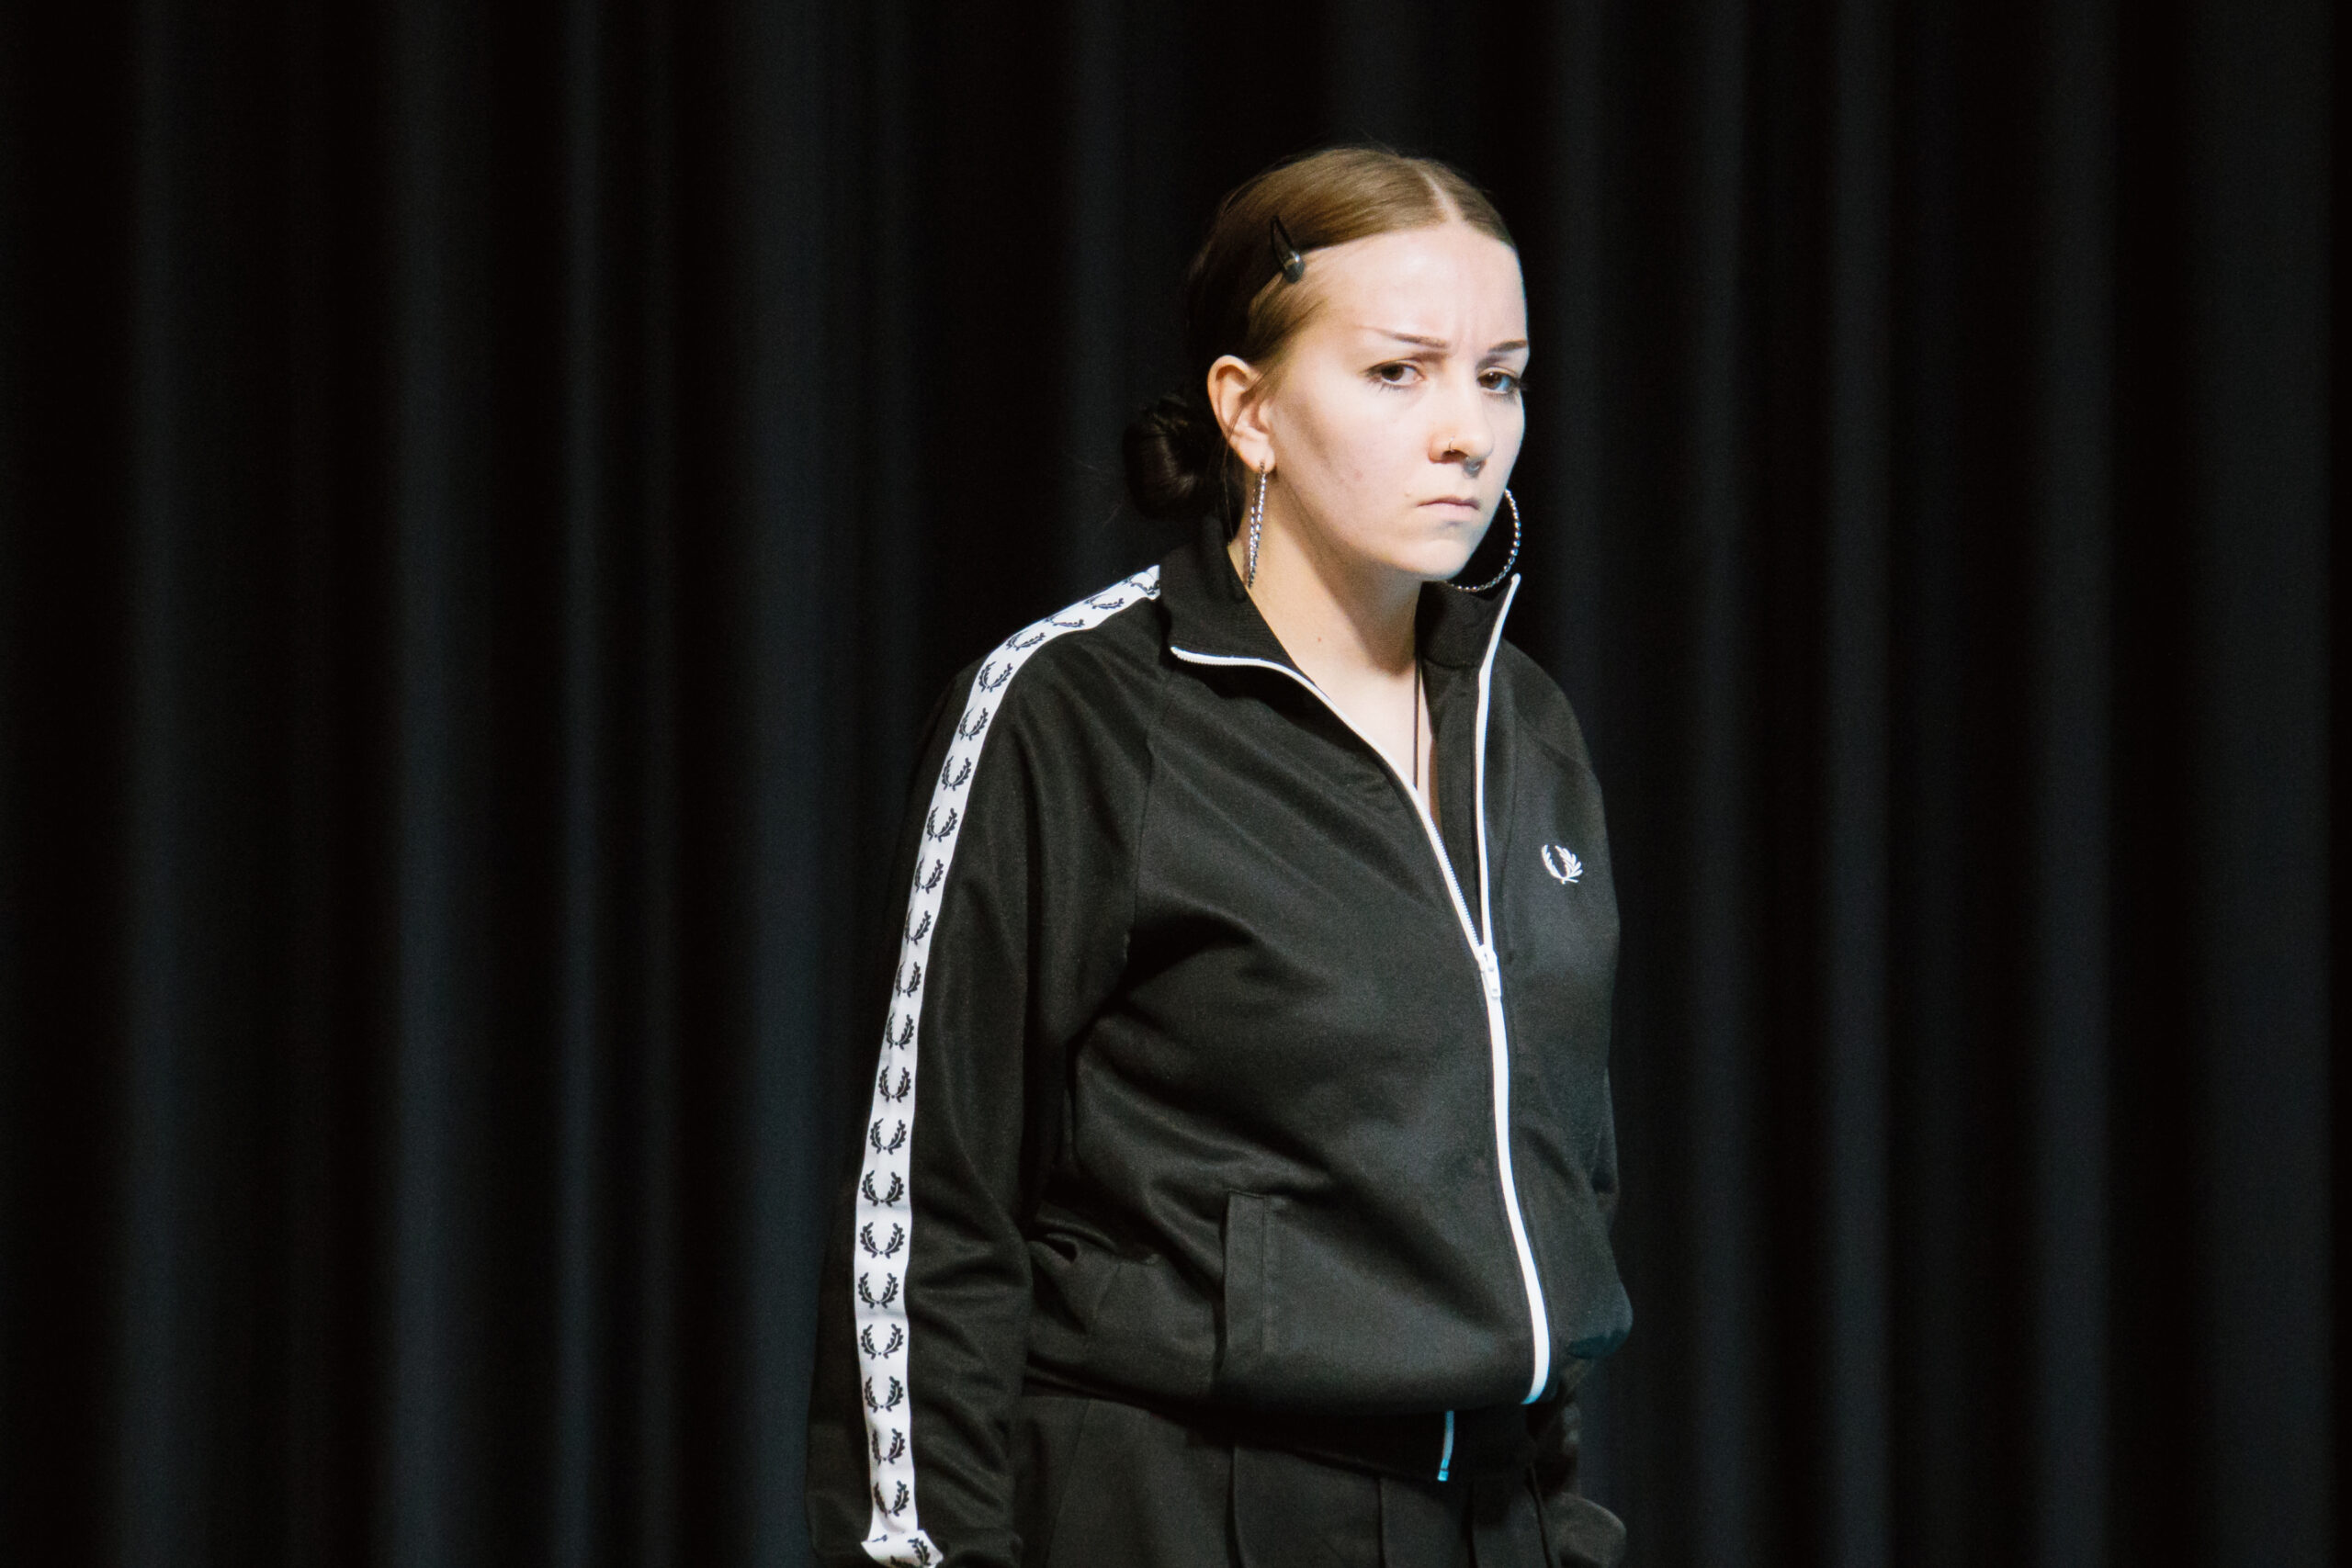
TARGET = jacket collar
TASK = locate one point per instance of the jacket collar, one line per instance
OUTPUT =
(1210, 612)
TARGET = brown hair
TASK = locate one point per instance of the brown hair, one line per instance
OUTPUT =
(1237, 299)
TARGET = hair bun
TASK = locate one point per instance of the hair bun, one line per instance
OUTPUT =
(1175, 458)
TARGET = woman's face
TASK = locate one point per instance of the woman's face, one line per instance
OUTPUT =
(1393, 418)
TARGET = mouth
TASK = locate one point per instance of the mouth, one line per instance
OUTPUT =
(1463, 502)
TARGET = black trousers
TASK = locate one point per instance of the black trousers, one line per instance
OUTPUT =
(1102, 1482)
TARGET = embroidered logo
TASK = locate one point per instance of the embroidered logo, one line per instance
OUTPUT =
(1561, 862)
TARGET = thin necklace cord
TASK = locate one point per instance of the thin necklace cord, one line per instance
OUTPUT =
(1417, 721)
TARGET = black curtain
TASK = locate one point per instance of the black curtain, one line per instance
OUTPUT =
(489, 494)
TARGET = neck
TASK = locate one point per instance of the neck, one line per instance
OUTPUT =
(1337, 616)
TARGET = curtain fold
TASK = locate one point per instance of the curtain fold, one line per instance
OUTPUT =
(489, 495)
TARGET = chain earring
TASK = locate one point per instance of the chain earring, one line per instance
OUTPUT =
(1491, 581)
(1257, 527)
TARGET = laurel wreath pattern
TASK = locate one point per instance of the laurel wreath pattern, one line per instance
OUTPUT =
(884, 1214)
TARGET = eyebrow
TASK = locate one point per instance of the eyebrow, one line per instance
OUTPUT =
(1440, 343)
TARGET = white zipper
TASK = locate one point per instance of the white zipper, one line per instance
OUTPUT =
(1491, 974)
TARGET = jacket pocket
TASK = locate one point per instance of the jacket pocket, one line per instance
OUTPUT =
(1245, 1331)
(1336, 1311)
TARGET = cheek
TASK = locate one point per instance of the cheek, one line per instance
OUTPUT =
(1346, 435)
(1371, 460)
(1511, 431)
(1373, 446)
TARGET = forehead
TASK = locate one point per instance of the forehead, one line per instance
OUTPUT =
(1447, 281)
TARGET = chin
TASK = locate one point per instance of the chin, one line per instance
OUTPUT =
(1437, 561)
(1415, 549)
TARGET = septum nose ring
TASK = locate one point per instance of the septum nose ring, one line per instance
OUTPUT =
(1471, 466)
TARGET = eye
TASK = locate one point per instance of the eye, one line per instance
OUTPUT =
(1504, 381)
(1397, 373)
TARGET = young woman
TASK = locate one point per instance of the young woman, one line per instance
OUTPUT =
(1237, 1183)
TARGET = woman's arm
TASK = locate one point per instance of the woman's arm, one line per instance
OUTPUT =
(1583, 1533)
(1016, 912)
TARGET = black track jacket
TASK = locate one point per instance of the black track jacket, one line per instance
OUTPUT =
(1216, 1077)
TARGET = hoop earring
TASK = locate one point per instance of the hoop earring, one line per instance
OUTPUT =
(1507, 565)
(1257, 527)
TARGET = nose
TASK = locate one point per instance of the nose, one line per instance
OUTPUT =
(1465, 433)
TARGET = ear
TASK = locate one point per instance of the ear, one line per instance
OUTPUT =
(1236, 395)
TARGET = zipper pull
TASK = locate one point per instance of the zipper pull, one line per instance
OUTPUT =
(1491, 972)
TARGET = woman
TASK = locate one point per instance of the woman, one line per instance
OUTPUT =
(1238, 1178)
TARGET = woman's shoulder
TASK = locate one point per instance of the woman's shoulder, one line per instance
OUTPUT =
(1091, 666)
(1526, 692)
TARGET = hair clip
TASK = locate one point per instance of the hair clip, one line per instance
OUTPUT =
(1286, 256)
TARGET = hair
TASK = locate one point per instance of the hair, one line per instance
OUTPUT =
(1236, 301)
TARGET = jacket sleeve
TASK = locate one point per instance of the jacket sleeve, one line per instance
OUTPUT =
(1583, 1533)
(1011, 868)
